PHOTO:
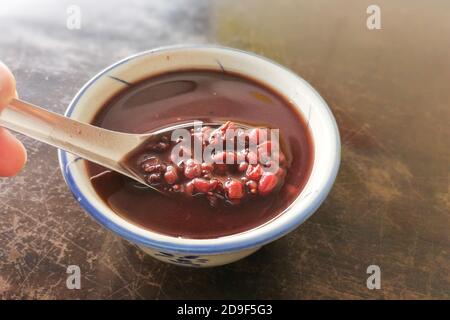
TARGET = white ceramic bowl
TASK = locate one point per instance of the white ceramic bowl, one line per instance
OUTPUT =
(218, 251)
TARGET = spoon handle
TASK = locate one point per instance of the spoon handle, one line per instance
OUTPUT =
(99, 145)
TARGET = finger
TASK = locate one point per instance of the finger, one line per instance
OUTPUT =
(12, 153)
(7, 86)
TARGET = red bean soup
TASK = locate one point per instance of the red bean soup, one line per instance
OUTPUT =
(203, 200)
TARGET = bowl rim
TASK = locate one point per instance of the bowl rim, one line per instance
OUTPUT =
(204, 246)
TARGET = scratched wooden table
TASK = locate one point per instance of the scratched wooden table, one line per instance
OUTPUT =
(388, 88)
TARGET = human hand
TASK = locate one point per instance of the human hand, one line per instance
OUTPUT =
(12, 152)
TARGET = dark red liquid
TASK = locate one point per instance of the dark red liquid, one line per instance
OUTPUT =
(201, 95)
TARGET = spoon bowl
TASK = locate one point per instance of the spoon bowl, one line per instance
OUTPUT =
(102, 146)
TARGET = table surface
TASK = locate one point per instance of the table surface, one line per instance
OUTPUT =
(388, 89)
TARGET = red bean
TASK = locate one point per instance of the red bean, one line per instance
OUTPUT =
(192, 169)
(254, 172)
(189, 188)
(160, 147)
(234, 189)
(267, 183)
(154, 178)
(242, 166)
(203, 185)
(219, 187)
(206, 175)
(149, 168)
(148, 165)
(171, 175)
(252, 186)
(252, 157)
(208, 167)
(214, 183)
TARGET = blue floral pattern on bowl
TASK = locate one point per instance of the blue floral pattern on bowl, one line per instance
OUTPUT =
(183, 260)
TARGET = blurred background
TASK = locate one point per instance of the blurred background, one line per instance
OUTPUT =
(388, 89)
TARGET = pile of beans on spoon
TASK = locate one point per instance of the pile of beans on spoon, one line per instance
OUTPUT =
(230, 176)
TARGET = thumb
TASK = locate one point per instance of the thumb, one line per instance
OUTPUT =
(12, 153)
